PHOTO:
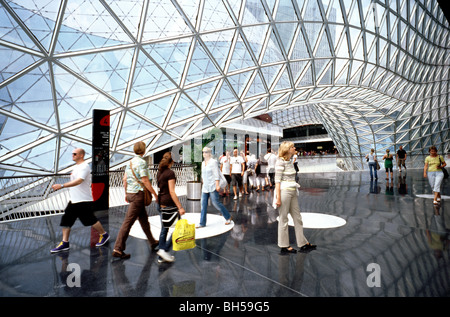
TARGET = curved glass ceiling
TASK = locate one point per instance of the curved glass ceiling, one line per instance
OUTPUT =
(374, 73)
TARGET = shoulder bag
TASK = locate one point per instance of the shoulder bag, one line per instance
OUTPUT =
(147, 194)
(443, 168)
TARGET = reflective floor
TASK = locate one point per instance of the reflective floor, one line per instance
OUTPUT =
(394, 244)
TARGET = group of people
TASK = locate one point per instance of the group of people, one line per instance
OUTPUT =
(433, 168)
(388, 159)
(137, 176)
(244, 172)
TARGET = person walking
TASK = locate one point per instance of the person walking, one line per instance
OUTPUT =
(372, 160)
(388, 164)
(136, 173)
(80, 204)
(237, 167)
(432, 170)
(167, 197)
(287, 201)
(401, 158)
(271, 159)
(225, 168)
(211, 188)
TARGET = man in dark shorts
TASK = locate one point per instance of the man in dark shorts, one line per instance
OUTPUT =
(401, 158)
(80, 204)
(237, 167)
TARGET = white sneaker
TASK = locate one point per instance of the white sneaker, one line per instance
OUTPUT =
(165, 256)
(235, 197)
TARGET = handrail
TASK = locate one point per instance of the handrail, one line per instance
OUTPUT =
(31, 196)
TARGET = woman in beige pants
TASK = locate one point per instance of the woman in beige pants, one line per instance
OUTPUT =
(287, 201)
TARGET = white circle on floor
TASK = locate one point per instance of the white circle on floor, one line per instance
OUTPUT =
(431, 196)
(313, 220)
(215, 225)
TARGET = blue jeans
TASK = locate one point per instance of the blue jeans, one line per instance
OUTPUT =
(164, 242)
(373, 165)
(216, 203)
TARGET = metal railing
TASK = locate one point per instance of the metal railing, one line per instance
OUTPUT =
(23, 197)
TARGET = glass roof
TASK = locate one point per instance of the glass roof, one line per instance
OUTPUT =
(374, 73)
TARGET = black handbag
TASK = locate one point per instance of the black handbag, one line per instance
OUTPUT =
(443, 169)
(169, 215)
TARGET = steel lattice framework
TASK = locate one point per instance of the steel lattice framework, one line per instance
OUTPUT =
(374, 72)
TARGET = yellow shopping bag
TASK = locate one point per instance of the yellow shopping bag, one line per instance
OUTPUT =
(183, 237)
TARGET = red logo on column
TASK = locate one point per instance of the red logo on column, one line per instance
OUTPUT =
(105, 121)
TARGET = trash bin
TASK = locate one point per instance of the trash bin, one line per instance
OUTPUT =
(193, 190)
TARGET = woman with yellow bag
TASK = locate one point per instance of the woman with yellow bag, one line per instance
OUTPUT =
(168, 203)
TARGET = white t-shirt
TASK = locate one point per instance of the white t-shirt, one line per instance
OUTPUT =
(271, 159)
(226, 165)
(236, 167)
(83, 191)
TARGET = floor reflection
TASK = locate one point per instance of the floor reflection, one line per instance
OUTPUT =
(387, 223)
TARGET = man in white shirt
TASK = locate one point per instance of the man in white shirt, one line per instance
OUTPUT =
(271, 159)
(237, 171)
(225, 168)
(80, 204)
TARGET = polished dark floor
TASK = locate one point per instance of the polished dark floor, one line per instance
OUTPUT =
(391, 236)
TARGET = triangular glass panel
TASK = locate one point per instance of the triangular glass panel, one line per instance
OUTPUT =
(40, 20)
(34, 100)
(218, 44)
(241, 58)
(202, 94)
(170, 56)
(322, 48)
(342, 48)
(184, 109)
(201, 66)
(81, 31)
(312, 32)
(354, 18)
(13, 61)
(162, 141)
(134, 127)
(257, 35)
(41, 157)
(270, 73)
(156, 110)
(283, 81)
(16, 134)
(306, 79)
(129, 13)
(224, 97)
(10, 31)
(273, 52)
(215, 16)
(239, 81)
(286, 32)
(335, 13)
(148, 79)
(163, 20)
(76, 99)
(257, 87)
(312, 12)
(300, 50)
(108, 71)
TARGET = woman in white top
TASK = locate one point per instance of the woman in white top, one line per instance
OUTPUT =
(372, 160)
(211, 188)
(287, 201)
